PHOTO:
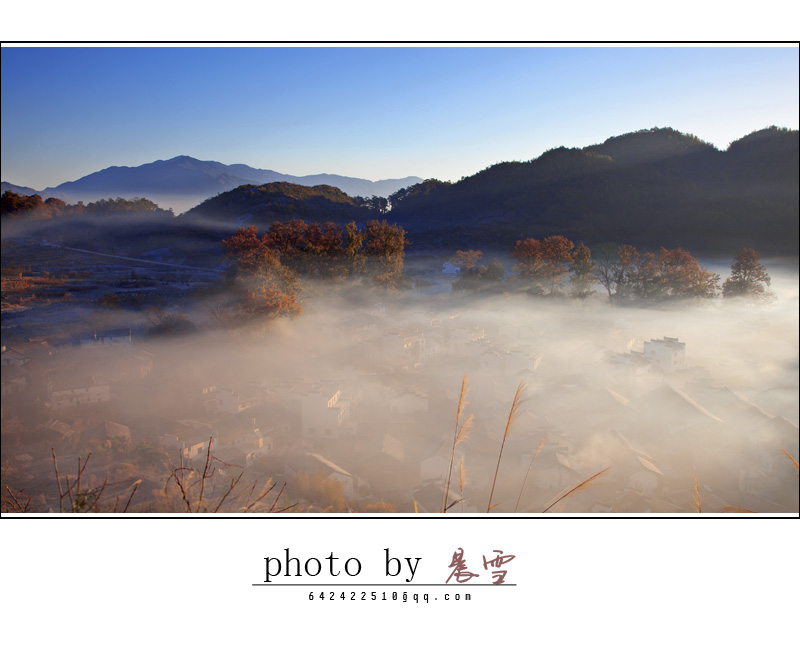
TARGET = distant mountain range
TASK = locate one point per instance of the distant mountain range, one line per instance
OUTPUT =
(183, 182)
(650, 188)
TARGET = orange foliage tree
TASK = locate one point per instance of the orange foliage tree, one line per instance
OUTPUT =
(748, 276)
(384, 246)
(267, 289)
(543, 262)
(581, 270)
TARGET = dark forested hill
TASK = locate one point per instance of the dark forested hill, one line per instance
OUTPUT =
(649, 188)
(262, 205)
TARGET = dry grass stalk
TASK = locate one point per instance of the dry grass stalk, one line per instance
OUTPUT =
(205, 471)
(736, 508)
(530, 465)
(583, 485)
(698, 504)
(461, 432)
(513, 414)
(453, 503)
(793, 460)
(58, 481)
(277, 498)
(78, 502)
(234, 481)
(196, 494)
(261, 495)
(133, 492)
(461, 481)
(13, 504)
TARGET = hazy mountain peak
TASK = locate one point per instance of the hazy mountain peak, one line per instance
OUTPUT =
(184, 181)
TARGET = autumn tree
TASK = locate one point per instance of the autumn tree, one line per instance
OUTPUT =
(582, 269)
(352, 248)
(543, 262)
(309, 249)
(474, 276)
(615, 270)
(470, 273)
(466, 260)
(668, 275)
(625, 273)
(605, 258)
(748, 276)
(384, 246)
(495, 271)
(266, 288)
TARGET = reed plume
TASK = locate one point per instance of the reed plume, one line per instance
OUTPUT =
(461, 481)
(794, 461)
(530, 465)
(513, 414)
(698, 505)
(583, 485)
(461, 432)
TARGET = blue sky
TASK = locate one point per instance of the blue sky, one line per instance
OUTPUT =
(372, 112)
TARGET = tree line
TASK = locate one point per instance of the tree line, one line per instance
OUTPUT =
(32, 206)
(554, 266)
(265, 271)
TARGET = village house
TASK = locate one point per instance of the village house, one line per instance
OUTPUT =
(13, 380)
(106, 338)
(668, 353)
(189, 439)
(56, 432)
(323, 411)
(23, 353)
(66, 388)
(434, 467)
(108, 431)
(229, 401)
(635, 364)
(246, 444)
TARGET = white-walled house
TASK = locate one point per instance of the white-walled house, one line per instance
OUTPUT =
(323, 411)
(65, 389)
(253, 444)
(228, 401)
(668, 353)
(107, 338)
(433, 469)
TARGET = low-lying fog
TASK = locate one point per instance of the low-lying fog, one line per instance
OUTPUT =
(352, 406)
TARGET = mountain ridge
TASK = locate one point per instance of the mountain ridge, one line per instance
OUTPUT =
(654, 187)
(183, 182)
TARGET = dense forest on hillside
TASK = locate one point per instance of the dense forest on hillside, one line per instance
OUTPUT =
(265, 204)
(654, 188)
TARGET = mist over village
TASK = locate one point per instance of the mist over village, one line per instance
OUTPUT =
(603, 329)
